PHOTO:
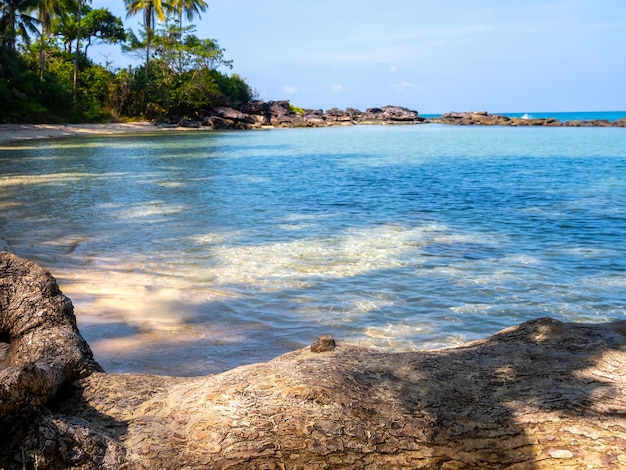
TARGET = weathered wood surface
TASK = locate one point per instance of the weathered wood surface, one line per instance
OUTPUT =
(40, 346)
(540, 395)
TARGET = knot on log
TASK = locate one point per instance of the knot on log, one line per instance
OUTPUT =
(323, 343)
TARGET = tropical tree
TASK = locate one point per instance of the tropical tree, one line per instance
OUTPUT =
(77, 55)
(97, 25)
(46, 10)
(15, 19)
(152, 10)
(190, 8)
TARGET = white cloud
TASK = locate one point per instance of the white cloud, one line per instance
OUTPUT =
(290, 90)
(336, 87)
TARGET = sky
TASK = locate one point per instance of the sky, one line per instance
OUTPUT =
(431, 56)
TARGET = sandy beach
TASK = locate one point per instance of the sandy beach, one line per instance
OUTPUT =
(20, 132)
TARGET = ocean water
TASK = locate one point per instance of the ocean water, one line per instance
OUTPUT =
(572, 116)
(191, 253)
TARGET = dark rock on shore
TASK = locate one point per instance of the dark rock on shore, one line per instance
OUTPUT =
(540, 395)
(485, 119)
(257, 114)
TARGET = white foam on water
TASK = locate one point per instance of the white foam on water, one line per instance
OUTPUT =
(393, 335)
(281, 264)
(481, 309)
(151, 209)
(65, 178)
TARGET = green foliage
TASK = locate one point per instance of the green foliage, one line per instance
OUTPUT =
(99, 25)
(16, 21)
(295, 109)
(24, 97)
(182, 79)
(180, 74)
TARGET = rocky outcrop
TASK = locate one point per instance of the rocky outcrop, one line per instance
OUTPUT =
(485, 119)
(258, 114)
(543, 394)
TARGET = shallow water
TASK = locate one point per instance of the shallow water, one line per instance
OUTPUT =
(192, 253)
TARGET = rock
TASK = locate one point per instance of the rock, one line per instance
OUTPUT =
(279, 114)
(484, 118)
(540, 395)
(453, 115)
(399, 113)
(478, 118)
(233, 115)
(315, 117)
(282, 120)
(259, 110)
(256, 107)
(389, 114)
(336, 115)
(372, 116)
(189, 123)
(217, 123)
(274, 113)
(300, 121)
(279, 108)
(324, 343)
(173, 119)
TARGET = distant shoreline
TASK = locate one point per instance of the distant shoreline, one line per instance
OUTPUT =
(12, 133)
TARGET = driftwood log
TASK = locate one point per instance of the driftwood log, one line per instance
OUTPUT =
(40, 346)
(543, 394)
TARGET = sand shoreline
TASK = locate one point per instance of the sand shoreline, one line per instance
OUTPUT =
(11, 133)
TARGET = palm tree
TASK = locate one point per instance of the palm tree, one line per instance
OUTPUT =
(151, 9)
(190, 8)
(77, 54)
(46, 10)
(14, 19)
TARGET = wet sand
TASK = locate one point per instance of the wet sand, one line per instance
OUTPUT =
(20, 132)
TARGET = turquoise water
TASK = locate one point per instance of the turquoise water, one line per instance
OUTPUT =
(191, 253)
(573, 116)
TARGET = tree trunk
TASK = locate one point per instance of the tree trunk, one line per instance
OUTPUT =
(41, 56)
(77, 56)
(543, 394)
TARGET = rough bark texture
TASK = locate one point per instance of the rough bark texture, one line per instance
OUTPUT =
(543, 394)
(41, 346)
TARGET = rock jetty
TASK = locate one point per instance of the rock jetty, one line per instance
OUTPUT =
(540, 395)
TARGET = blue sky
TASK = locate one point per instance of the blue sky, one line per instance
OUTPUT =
(448, 55)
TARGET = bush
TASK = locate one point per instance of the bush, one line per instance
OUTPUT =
(295, 109)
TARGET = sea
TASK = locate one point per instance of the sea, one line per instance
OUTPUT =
(191, 253)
